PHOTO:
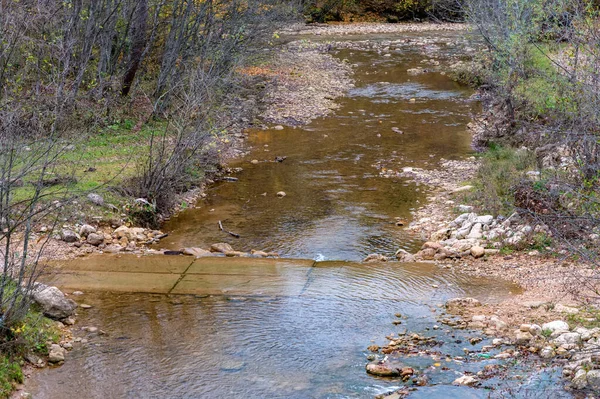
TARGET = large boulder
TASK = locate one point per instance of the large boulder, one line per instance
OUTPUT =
(53, 302)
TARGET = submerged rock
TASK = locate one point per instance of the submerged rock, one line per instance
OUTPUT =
(383, 369)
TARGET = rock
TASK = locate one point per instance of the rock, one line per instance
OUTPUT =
(525, 327)
(56, 354)
(480, 318)
(497, 323)
(375, 258)
(277, 127)
(86, 229)
(593, 379)
(522, 338)
(69, 321)
(565, 309)
(486, 219)
(455, 303)
(53, 302)
(416, 71)
(477, 252)
(580, 380)
(557, 325)
(547, 352)
(374, 348)
(123, 232)
(465, 245)
(254, 162)
(426, 254)
(221, 247)
(383, 369)
(95, 199)
(85, 306)
(535, 330)
(69, 236)
(95, 239)
(466, 380)
(441, 235)
(432, 245)
(476, 231)
(281, 194)
(196, 252)
(404, 256)
(570, 340)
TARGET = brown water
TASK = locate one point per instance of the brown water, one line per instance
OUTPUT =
(337, 207)
(297, 330)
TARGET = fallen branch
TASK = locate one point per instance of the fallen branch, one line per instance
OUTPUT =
(228, 232)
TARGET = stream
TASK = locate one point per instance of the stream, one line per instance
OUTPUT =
(308, 342)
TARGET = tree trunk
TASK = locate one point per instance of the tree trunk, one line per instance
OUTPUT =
(138, 43)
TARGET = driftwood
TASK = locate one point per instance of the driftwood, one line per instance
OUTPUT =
(228, 232)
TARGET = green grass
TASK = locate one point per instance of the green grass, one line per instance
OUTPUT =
(113, 154)
(501, 169)
(31, 335)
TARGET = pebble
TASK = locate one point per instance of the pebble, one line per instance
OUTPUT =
(85, 306)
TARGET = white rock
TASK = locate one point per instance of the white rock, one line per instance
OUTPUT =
(476, 231)
(569, 340)
(487, 219)
(557, 325)
(593, 379)
(535, 330)
(86, 229)
(580, 380)
(466, 380)
(547, 352)
(56, 354)
(53, 302)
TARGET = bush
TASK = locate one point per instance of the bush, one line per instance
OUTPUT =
(502, 169)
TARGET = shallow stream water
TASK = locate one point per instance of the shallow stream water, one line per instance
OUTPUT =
(308, 342)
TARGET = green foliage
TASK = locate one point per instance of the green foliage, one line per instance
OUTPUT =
(10, 373)
(501, 169)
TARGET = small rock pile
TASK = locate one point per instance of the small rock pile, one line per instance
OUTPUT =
(577, 349)
(122, 238)
(473, 235)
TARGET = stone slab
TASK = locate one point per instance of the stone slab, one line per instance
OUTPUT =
(250, 266)
(114, 281)
(127, 263)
